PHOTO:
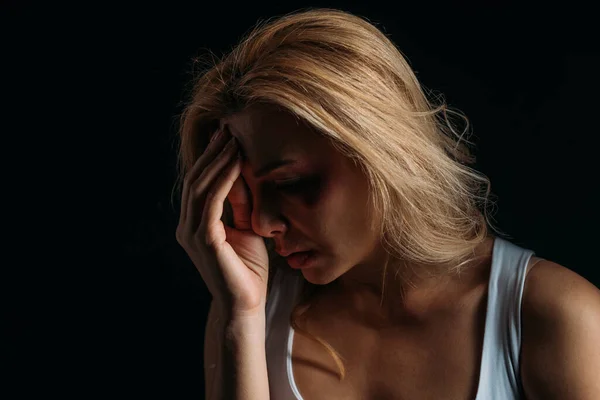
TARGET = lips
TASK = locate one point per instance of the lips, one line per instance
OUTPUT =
(302, 259)
(284, 253)
(299, 253)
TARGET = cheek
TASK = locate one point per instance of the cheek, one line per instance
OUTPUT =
(345, 208)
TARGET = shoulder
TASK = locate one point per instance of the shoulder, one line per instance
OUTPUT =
(560, 356)
(552, 290)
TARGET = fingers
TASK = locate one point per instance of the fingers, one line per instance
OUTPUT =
(218, 140)
(198, 197)
(213, 210)
(240, 204)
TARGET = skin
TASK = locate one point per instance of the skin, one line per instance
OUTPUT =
(319, 213)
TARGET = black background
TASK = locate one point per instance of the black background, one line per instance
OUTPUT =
(129, 320)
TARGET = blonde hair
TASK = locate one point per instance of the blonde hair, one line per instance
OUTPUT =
(343, 77)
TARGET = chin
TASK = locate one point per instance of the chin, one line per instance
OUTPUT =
(320, 276)
(316, 280)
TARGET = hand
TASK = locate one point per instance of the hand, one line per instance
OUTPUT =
(232, 261)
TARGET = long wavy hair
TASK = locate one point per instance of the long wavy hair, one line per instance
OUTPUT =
(347, 80)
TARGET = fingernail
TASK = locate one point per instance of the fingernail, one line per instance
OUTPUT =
(217, 135)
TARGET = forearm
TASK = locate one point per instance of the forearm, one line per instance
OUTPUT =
(245, 362)
(235, 363)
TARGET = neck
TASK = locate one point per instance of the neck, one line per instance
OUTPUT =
(402, 289)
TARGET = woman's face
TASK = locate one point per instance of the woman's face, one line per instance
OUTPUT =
(315, 200)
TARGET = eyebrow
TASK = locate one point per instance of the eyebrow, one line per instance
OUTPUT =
(273, 165)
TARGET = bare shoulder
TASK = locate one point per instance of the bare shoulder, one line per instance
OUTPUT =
(551, 288)
(560, 356)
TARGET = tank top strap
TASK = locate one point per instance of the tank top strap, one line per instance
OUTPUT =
(500, 372)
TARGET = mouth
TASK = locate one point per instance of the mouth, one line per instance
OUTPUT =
(302, 259)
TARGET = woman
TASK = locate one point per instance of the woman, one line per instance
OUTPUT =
(326, 195)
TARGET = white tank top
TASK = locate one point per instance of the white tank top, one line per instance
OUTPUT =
(499, 377)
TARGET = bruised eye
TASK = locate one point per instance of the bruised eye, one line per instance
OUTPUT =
(290, 185)
(308, 189)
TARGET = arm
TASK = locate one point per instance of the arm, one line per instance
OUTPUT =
(560, 355)
(235, 363)
(214, 331)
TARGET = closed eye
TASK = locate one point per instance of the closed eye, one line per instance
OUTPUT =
(289, 184)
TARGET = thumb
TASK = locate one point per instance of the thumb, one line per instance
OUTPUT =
(239, 198)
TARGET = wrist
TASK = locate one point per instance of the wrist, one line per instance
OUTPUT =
(245, 330)
(245, 322)
(229, 313)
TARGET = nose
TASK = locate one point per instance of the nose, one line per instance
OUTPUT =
(266, 219)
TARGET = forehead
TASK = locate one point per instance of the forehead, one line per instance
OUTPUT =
(264, 122)
(266, 132)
